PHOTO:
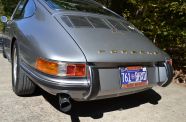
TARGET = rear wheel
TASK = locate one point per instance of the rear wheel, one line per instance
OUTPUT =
(21, 84)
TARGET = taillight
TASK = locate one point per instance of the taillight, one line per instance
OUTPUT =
(77, 70)
(60, 68)
(169, 61)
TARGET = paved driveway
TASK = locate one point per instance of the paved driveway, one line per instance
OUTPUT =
(157, 105)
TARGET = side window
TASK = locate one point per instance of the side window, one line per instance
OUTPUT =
(29, 9)
(25, 9)
(19, 10)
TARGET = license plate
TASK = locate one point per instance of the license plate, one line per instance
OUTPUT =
(133, 77)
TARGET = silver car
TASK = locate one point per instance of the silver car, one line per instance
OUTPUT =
(80, 50)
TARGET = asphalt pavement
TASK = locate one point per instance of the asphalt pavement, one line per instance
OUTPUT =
(157, 105)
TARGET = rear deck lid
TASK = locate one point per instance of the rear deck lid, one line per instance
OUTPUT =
(105, 39)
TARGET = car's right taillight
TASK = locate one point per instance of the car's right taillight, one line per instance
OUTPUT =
(169, 61)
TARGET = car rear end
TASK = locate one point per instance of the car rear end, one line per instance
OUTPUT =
(119, 59)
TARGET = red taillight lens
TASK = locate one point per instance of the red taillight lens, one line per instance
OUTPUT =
(71, 70)
(76, 70)
(169, 61)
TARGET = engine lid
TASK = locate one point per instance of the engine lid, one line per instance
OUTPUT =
(109, 41)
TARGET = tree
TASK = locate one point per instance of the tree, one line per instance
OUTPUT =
(9, 6)
(1, 13)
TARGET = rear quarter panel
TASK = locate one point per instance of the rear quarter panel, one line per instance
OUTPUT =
(42, 36)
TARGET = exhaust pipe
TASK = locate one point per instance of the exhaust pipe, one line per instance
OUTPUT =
(64, 103)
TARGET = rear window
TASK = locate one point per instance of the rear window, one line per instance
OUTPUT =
(80, 5)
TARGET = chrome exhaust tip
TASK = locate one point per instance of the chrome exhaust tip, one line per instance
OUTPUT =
(64, 103)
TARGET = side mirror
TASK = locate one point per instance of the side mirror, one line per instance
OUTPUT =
(4, 19)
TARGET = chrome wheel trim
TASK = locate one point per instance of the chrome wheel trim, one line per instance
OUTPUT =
(15, 67)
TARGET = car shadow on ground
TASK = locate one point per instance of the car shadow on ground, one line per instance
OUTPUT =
(96, 109)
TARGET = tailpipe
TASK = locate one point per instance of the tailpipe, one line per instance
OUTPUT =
(64, 103)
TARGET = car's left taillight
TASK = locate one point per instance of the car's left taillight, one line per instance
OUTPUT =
(61, 68)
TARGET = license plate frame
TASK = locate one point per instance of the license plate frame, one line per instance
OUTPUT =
(133, 76)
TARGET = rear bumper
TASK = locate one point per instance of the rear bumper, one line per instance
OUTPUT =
(169, 73)
(102, 83)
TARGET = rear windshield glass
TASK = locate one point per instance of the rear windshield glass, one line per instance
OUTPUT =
(80, 5)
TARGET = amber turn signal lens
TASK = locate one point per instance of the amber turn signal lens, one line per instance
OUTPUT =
(47, 67)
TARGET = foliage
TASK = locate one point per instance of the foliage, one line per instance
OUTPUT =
(1, 13)
(163, 21)
(9, 6)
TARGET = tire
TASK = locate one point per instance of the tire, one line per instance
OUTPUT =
(21, 84)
